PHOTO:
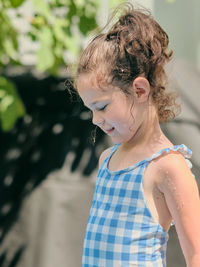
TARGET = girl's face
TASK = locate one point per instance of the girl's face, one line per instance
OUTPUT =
(119, 115)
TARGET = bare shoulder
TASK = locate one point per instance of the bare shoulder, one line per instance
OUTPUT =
(172, 161)
(172, 169)
(104, 155)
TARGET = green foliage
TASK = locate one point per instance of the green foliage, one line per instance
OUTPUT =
(114, 3)
(8, 40)
(11, 107)
(16, 3)
(56, 26)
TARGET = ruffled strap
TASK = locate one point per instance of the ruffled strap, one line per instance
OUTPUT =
(184, 150)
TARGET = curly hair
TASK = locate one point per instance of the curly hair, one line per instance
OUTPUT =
(135, 45)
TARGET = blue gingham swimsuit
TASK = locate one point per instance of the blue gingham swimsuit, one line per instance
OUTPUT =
(121, 231)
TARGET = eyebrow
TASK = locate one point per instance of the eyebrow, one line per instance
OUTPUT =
(92, 104)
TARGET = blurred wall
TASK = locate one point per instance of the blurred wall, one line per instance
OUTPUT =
(181, 20)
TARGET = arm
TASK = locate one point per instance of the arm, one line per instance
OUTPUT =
(182, 197)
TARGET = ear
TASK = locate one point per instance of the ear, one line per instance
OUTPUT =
(141, 89)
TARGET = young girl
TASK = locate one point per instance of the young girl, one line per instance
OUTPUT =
(144, 182)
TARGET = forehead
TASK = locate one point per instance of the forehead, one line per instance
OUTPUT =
(88, 87)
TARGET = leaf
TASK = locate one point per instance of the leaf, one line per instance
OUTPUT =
(7, 101)
(38, 21)
(16, 3)
(11, 106)
(71, 43)
(72, 10)
(45, 58)
(9, 48)
(59, 29)
(114, 3)
(8, 113)
(8, 42)
(58, 50)
(86, 24)
(2, 94)
(80, 3)
(46, 36)
(42, 7)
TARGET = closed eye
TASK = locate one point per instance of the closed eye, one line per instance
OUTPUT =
(102, 108)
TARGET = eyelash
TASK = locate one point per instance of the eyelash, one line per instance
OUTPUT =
(103, 108)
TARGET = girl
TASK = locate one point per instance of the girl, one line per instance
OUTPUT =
(143, 182)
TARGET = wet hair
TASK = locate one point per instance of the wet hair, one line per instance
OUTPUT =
(135, 45)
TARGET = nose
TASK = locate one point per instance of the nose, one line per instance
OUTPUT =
(97, 119)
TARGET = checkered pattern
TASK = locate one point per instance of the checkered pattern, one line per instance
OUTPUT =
(121, 230)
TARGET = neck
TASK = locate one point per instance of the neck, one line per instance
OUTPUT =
(149, 135)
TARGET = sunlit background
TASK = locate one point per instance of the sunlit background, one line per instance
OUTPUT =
(48, 158)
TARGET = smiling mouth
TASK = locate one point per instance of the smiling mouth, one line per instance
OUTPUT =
(109, 131)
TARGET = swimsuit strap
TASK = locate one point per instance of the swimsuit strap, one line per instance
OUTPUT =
(112, 150)
(184, 150)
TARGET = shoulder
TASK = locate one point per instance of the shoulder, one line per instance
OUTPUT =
(175, 180)
(104, 155)
(172, 166)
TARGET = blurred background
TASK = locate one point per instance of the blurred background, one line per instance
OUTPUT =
(48, 158)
